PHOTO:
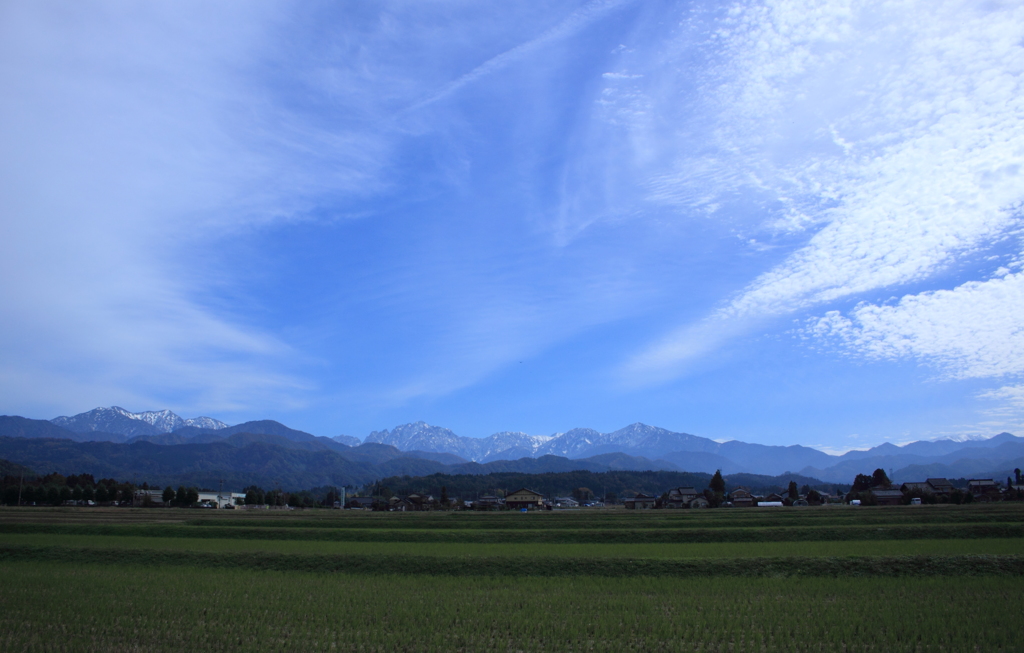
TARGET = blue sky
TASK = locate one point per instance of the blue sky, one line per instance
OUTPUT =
(781, 222)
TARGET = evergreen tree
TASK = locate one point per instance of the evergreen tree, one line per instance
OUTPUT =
(794, 493)
(717, 484)
(168, 495)
(181, 496)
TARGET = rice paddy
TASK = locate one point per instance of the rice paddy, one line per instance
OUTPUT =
(169, 580)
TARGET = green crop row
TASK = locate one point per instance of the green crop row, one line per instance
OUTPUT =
(51, 607)
(553, 536)
(990, 546)
(623, 519)
(514, 566)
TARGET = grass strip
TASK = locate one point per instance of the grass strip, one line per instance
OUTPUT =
(989, 546)
(561, 536)
(670, 519)
(811, 566)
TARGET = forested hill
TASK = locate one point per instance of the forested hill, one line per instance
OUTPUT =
(7, 468)
(622, 483)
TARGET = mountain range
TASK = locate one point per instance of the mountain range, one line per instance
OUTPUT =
(117, 420)
(420, 448)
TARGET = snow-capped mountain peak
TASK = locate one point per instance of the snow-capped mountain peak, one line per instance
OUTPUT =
(123, 422)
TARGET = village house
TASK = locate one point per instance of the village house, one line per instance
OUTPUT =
(524, 498)
(917, 486)
(685, 497)
(566, 502)
(420, 501)
(937, 487)
(941, 486)
(640, 501)
(983, 489)
(741, 498)
(488, 502)
(886, 496)
(398, 504)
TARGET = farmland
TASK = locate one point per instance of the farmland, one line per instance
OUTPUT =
(740, 580)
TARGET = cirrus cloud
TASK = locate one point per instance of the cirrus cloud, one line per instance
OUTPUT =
(892, 133)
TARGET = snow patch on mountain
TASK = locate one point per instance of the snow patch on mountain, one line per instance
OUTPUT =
(123, 422)
(420, 436)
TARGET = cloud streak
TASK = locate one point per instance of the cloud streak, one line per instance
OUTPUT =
(576, 21)
(136, 143)
(893, 131)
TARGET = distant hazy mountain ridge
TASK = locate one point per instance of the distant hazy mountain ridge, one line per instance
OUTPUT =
(637, 446)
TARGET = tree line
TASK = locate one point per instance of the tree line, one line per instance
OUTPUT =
(56, 489)
(616, 485)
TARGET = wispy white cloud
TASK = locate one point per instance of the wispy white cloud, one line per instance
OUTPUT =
(893, 130)
(975, 330)
(577, 20)
(136, 140)
(1006, 412)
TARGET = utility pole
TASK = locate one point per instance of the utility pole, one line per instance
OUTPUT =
(20, 484)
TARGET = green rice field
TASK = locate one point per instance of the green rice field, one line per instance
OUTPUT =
(856, 579)
(990, 546)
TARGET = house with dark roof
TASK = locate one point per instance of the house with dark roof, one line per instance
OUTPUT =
(684, 497)
(398, 504)
(640, 501)
(420, 501)
(922, 487)
(524, 498)
(488, 502)
(932, 487)
(983, 489)
(741, 498)
(886, 496)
